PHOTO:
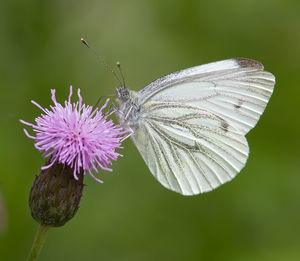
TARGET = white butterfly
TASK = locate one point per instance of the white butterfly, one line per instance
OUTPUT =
(190, 125)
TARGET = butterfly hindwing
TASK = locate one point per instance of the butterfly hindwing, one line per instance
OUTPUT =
(187, 149)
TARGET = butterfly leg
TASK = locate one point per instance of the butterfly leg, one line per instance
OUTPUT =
(112, 109)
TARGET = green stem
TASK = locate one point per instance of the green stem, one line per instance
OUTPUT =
(38, 243)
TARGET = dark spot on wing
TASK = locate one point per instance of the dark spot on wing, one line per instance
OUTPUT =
(244, 62)
(239, 105)
(224, 125)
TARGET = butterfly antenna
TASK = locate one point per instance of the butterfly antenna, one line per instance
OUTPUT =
(122, 76)
(101, 60)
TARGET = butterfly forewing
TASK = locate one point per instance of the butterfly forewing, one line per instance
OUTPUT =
(237, 90)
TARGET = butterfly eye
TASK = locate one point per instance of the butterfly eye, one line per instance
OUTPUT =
(125, 93)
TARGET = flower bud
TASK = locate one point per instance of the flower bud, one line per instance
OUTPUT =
(55, 195)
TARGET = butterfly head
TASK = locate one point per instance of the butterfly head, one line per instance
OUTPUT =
(122, 94)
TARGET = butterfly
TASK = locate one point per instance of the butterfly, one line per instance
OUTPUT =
(190, 126)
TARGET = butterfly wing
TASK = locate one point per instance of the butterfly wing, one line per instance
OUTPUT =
(187, 149)
(237, 90)
(192, 123)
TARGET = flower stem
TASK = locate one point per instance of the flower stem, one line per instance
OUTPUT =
(38, 243)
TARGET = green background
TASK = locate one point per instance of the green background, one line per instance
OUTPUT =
(131, 216)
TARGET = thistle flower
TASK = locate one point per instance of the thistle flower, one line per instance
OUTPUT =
(76, 135)
(77, 139)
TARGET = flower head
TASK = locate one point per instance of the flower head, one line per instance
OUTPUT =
(77, 135)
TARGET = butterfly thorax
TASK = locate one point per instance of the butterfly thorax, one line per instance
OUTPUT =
(127, 113)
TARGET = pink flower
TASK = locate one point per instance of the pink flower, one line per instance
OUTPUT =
(77, 135)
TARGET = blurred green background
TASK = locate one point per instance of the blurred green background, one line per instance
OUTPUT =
(131, 216)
